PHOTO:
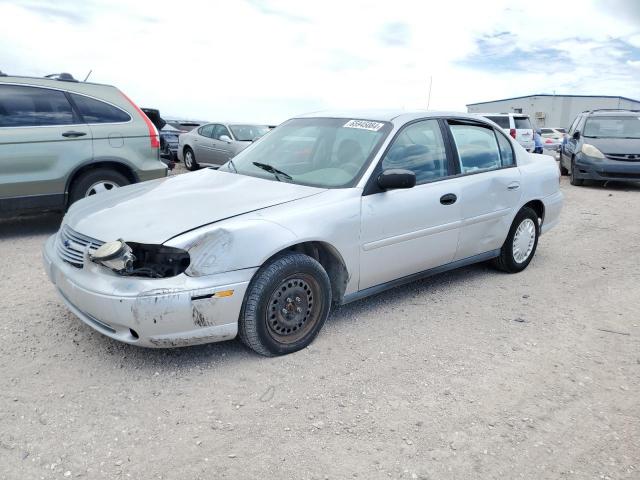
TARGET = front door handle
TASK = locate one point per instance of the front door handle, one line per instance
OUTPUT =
(513, 186)
(448, 199)
(73, 134)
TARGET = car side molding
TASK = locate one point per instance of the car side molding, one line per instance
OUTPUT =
(482, 257)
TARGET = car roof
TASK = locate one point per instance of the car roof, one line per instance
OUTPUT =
(612, 112)
(44, 81)
(395, 116)
(503, 114)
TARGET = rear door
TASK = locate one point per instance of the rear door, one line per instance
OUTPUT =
(524, 131)
(490, 186)
(42, 139)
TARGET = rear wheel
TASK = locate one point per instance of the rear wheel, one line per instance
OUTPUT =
(94, 182)
(521, 243)
(573, 179)
(285, 306)
(190, 159)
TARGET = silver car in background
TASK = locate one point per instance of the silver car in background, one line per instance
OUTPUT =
(216, 143)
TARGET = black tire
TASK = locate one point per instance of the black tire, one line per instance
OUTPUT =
(82, 186)
(507, 261)
(291, 282)
(190, 159)
(564, 171)
(573, 180)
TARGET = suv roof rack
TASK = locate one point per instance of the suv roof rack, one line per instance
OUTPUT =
(65, 77)
(611, 110)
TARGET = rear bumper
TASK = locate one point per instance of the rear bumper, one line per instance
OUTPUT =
(594, 169)
(169, 312)
(152, 174)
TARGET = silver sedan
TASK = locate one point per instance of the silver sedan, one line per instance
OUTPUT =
(215, 143)
(323, 211)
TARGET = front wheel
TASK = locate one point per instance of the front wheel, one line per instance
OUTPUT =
(573, 179)
(521, 243)
(285, 306)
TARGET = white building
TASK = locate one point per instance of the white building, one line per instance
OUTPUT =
(553, 110)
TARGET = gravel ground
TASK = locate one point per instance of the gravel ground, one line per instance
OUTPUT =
(470, 374)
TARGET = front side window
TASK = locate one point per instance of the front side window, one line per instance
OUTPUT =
(34, 107)
(219, 131)
(612, 127)
(248, 133)
(419, 148)
(477, 147)
(321, 152)
(95, 111)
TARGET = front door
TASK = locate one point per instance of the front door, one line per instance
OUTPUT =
(221, 145)
(407, 231)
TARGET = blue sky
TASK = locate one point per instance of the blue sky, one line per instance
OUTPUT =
(262, 60)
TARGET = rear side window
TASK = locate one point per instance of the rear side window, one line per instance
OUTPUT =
(506, 150)
(95, 111)
(477, 148)
(206, 131)
(522, 123)
(34, 107)
(503, 122)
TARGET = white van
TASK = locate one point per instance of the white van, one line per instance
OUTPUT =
(515, 124)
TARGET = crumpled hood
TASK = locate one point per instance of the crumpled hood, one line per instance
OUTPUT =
(155, 211)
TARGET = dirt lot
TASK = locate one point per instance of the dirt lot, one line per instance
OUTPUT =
(470, 374)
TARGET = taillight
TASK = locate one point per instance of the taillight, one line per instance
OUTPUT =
(512, 132)
(548, 140)
(153, 133)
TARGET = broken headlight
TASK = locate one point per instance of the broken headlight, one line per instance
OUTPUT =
(142, 260)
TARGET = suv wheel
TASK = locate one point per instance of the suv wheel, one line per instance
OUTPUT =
(190, 160)
(96, 181)
(573, 179)
(285, 306)
(521, 243)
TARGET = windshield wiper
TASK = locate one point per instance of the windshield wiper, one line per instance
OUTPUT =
(275, 171)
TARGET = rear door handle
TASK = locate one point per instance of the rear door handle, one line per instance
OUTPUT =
(448, 199)
(73, 134)
(513, 186)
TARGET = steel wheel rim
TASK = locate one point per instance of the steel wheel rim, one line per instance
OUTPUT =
(188, 159)
(523, 240)
(100, 187)
(294, 308)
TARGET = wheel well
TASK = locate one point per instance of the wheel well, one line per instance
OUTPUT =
(118, 167)
(331, 261)
(538, 207)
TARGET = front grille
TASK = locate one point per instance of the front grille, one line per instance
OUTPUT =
(71, 246)
(624, 157)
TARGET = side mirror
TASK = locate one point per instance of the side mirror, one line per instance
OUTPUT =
(576, 135)
(396, 178)
(225, 138)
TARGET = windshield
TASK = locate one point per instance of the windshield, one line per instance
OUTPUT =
(248, 133)
(613, 127)
(321, 152)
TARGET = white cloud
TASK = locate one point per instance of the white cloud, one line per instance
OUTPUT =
(265, 61)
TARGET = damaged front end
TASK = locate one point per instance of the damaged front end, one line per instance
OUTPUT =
(141, 260)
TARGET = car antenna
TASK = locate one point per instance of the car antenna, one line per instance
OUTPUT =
(85, 78)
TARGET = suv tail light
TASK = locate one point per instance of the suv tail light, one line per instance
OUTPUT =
(153, 133)
(512, 132)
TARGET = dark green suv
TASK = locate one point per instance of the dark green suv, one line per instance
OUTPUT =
(62, 140)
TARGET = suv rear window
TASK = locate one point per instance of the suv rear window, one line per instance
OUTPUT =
(33, 107)
(522, 123)
(503, 121)
(95, 111)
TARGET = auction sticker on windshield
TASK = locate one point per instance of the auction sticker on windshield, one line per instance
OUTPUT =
(364, 125)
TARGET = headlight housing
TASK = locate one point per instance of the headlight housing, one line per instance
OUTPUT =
(591, 151)
(142, 260)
